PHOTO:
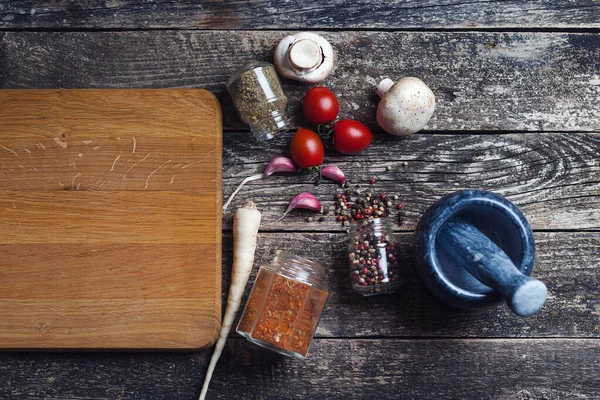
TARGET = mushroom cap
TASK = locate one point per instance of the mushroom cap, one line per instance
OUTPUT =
(305, 57)
(406, 107)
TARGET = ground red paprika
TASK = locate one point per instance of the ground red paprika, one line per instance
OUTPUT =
(285, 305)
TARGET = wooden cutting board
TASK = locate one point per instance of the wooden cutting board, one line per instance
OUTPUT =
(110, 219)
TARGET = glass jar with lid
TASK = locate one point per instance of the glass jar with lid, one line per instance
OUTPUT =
(373, 257)
(259, 99)
(285, 305)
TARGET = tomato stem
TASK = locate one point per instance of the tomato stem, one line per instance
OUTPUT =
(316, 173)
(326, 132)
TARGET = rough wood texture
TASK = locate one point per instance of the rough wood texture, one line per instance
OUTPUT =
(92, 254)
(334, 369)
(503, 369)
(482, 81)
(273, 14)
(566, 262)
(553, 178)
(487, 84)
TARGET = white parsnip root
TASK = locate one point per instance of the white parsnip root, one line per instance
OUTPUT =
(246, 222)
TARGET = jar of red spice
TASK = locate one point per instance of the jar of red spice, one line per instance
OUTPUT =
(285, 305)
(373, 256)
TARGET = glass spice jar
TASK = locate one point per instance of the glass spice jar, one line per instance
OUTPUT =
(373, 256)
(285, 305)
(259, 99)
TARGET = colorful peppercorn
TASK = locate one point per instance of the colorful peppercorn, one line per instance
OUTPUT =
(373, 260)
(363, 207)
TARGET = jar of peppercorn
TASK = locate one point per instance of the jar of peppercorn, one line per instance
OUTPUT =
(373, 253)
(285, 305)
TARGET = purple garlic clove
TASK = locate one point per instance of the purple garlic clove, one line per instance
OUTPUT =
(280, 164)
(303, 200)
(334, 173)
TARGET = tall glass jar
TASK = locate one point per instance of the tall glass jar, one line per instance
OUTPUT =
(259, 99)
(373, 257)
(285, 305)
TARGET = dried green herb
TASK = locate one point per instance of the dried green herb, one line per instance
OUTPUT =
(259, 99)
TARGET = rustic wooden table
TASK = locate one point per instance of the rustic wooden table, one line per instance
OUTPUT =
(518, 94)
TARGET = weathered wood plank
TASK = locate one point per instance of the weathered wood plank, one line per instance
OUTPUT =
(334, 369)
(553, 177)
(483, 81)
(465, 369)
(257, 14)
(566, 262)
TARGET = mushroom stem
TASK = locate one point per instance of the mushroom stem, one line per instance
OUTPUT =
(305, 54)
(384, 86)
(305, 57)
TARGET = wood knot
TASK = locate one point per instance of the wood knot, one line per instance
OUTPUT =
(43, 328)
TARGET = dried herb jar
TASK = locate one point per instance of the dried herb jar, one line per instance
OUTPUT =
(373, 257)
(259, 99)
(285, 305)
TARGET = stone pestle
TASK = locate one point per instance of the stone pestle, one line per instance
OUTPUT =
(489, 264)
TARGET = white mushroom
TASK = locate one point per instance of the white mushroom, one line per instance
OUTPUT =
(305, 57)
(405, 106)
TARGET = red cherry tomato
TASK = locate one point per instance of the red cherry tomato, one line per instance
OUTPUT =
(350, 136)
(320, 105)
(307, 148)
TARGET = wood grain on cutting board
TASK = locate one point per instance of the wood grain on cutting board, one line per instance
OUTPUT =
(110, 219)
